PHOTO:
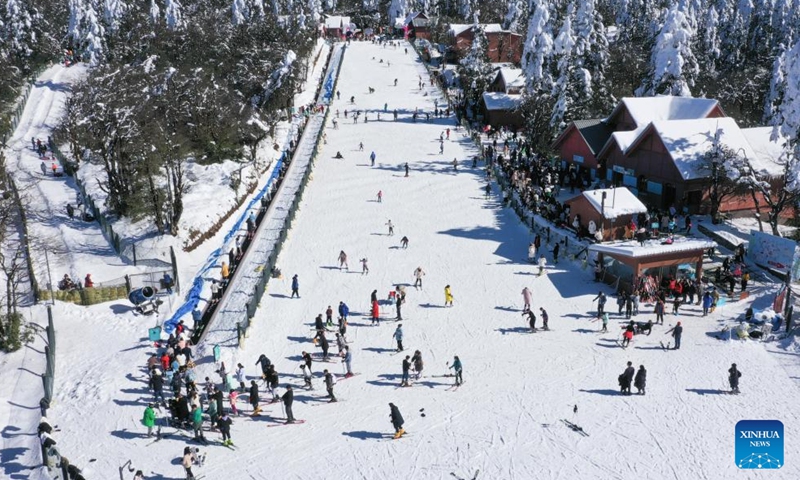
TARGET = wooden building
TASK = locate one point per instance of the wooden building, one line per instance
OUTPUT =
(607, 211)
(504, 46)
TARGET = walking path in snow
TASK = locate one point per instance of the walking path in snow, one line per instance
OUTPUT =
(233, 305)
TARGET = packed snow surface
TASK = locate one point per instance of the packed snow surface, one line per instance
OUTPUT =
(505, 420)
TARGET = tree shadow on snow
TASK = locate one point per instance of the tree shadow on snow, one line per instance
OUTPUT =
(363, 435)
(607, 392)
(706, 391)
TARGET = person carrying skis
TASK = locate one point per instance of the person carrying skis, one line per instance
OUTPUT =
(448, 296)
(330, 381)
(733, 378)
(418, 274)
(224, 425)
(288, 399)
(626, 378)
(542, 263)
(343, 261)
(398, 335)
(526, 298)
(397, 420)
(348, 359)
(544, 318)
(531, 319)
(406, 368)
(601, 303)
(641, 380)
(458, 369)
(295, 286)
(264, 361)
(149, 419)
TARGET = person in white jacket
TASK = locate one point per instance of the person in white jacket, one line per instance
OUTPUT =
(532, 253)
(526, 297)
(542, 263)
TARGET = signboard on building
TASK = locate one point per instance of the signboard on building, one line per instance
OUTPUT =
(577, 158)
(622, 170)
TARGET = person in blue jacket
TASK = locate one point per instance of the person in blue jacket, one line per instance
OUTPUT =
(295, 286)
(456, 366)
(344, 311)
(708, 300)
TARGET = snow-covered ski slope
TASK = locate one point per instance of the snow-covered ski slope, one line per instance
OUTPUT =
(505, 420)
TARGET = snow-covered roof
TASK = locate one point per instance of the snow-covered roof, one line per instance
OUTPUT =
(457, 29)
(632, 248)
(513, 77)
(626, 139)
(767, 152)
(644, 110)
(501, 101)
(337, 22)
(411, 16)
(619, 202)
(687, 141)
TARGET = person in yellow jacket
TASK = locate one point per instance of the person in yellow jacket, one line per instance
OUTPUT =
(225, 272)
(448, 296)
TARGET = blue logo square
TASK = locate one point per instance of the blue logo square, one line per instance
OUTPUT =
(759, 444)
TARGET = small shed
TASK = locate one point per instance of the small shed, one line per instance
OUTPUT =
(607, 210)
(628, 261)
(502, 109)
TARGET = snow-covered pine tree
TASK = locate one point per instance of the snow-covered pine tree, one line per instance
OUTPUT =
(16, 28)
(708, 42)
(173, 14)
(466, 9)
(92, 39)
(591, 56)
(314, 11)
(475, 68)
(113, 10)
(330, 5)
(673, 67)
(516, 15)
(240, 13)
(398, 9)
(563, 88)
(155, 12)
(538, 49)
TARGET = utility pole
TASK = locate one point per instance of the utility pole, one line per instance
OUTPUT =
(49, 277)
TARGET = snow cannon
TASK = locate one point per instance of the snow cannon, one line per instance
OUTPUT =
(141, 295)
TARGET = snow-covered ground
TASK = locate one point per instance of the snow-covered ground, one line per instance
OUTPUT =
(505, 420)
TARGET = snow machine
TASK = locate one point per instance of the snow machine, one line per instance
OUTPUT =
(143, 298)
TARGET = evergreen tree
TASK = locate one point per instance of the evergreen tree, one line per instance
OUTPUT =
(240, 12)
(173, 14)
(673, 67)
(516, 15)
(475, 68)
(563, 88)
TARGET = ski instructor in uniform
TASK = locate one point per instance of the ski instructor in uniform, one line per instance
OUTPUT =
(397, 420)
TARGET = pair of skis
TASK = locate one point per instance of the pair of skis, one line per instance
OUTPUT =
(574, 427)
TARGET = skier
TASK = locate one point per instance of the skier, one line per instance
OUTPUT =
(677, 332)
(295, 286)
(398, 302)
(343, 311)
(659, 311)
(448, 296)
(601, 303)
(372, 160)
(625, 379)
(391, 227)
(641, 380)
(456, 366)
(288, 399)
(343, 261)
(380, 196)
(605, 322)
(397, 421)
(375, 312)
(264, 361)
(733, 378)
(526, 298)
(542, 263)
(544, 318)
(531, 319)
(398, 335)
(233, 396)
(418, 365)
(197, 424)
(707, 302)
(404, 242)
(254, 397)
(531, 252)
(329, 317)
(149, 419)
(323, 343)
(364, 267)
(627, 335)
(418, 274)
(224, 425)
(340, 343)
(361, 146)
(406, 368)
(348, 359)
(330, 381)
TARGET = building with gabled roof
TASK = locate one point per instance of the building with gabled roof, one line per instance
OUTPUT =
(503, 45)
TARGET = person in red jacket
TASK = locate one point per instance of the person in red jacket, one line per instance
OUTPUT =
(375, 312)
(87, 282)
(165, 362)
